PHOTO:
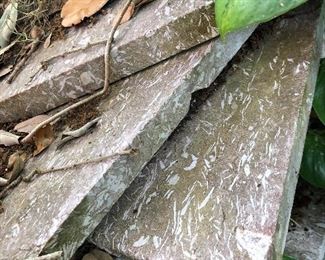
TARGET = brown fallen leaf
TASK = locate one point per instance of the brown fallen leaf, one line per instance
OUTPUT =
(43, 138)
(133, 8)
(74, 11)
(16, 164)
(47, 42)
(8, 139)
(3, 182)
(28, 125)
(6, 70)
(3, 50)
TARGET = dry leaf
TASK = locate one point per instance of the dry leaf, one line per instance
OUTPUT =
(3, 182)
(68, 136)
(47, 42)
(133, 8)
(36, 32)
(5, 71)
(8, 139)
(28, 125)
(128, 14)
(16, 164)
(7, 48)
(43, 138)
(74, 11)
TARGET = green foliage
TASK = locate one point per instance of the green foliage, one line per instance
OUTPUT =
(319, 98)
(232, 15)
(313, 162)
(285, 257)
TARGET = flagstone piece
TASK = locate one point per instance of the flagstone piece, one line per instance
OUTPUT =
(222, 186)
(59, 210)
(73, 67)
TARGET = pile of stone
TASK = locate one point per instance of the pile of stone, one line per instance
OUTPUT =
(218, 184)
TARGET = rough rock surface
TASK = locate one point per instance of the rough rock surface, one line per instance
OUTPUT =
(59, 210)
(306, 236)
(222, 186)
(74, 67)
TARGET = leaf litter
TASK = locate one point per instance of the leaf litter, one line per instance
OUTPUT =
(34, 27)
(42, 14)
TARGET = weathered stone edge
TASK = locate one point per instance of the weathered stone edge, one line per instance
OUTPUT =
(299, 142)
(207, 67)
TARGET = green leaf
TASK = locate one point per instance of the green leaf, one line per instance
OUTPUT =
(319, 97)
(286, 257)
(232, 15)
(313, 161)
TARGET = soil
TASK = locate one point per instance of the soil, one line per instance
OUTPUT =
(78, 116)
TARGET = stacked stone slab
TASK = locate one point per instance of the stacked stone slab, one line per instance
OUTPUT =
(222, 186)
(74, 67)
(60, 209)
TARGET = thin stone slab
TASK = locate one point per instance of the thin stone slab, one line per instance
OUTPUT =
(306, 236)
(222, 186)
(59, 210)
(74, 67)
(323, 46)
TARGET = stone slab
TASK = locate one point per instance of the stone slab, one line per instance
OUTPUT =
(306, 236)
(74, 67)
(323, 46)
(222, 186)
(58, 211)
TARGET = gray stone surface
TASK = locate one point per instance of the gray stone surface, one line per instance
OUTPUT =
(222, 186)
(306, 236)
(74, 67)
(323, 46)
(58, 211)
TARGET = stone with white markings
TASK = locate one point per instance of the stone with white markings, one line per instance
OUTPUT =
(74, 67)
(222, 186)
(59, 210)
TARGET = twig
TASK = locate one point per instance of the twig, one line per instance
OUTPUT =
(102, 92)
(22, 62)
(30, 177)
